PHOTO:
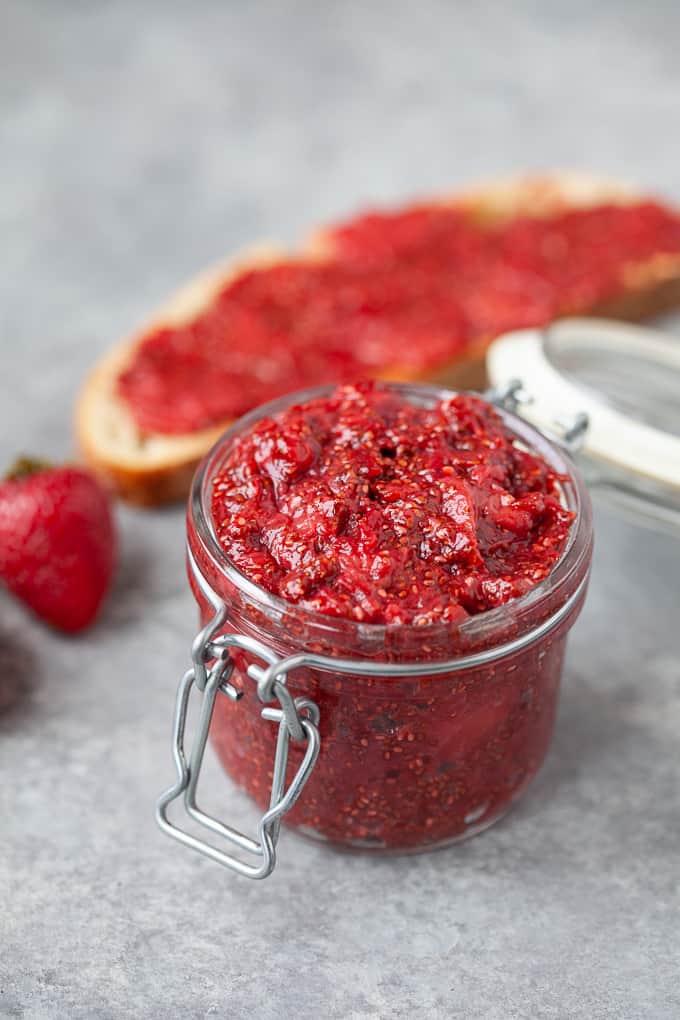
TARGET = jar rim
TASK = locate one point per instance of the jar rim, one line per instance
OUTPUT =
(566, 573)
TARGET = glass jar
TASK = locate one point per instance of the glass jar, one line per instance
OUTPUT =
(389, 738)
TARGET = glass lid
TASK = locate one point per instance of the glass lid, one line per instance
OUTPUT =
(616, 388)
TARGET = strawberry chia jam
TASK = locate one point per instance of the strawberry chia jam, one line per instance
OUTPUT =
(403, 295)
(395, 524)
(363, 505)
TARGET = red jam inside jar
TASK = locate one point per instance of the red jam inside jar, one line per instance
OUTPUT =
(396, 525)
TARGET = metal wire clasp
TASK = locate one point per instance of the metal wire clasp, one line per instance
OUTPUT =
(297, 719)
(572, 431)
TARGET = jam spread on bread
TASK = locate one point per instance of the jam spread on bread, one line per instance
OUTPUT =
(401, 295)
(367, 506)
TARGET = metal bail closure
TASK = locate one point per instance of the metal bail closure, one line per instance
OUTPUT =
(608, 391)
(297, 720)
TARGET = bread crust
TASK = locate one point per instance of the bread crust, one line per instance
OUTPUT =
(149, 470)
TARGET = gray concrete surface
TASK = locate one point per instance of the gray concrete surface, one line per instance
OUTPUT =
(139, 141)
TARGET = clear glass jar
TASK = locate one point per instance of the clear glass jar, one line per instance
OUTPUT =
(427, 735)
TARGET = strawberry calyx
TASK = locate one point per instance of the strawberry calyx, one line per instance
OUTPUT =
(24, 466)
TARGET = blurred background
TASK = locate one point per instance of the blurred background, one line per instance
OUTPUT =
(140, 141)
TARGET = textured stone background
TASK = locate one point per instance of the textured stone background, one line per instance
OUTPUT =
(139, 141)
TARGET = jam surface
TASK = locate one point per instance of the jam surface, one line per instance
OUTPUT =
(366, 506)
(404, 294)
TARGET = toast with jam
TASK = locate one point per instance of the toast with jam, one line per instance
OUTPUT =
(414, 294)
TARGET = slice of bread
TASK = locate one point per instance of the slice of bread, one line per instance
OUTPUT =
(150, 469)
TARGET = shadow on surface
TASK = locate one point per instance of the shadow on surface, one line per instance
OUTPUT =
(18, 674)
(145, 577)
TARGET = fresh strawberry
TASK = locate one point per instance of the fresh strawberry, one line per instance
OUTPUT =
(57, 541)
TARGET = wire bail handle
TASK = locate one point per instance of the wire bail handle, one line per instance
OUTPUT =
(297, 719)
